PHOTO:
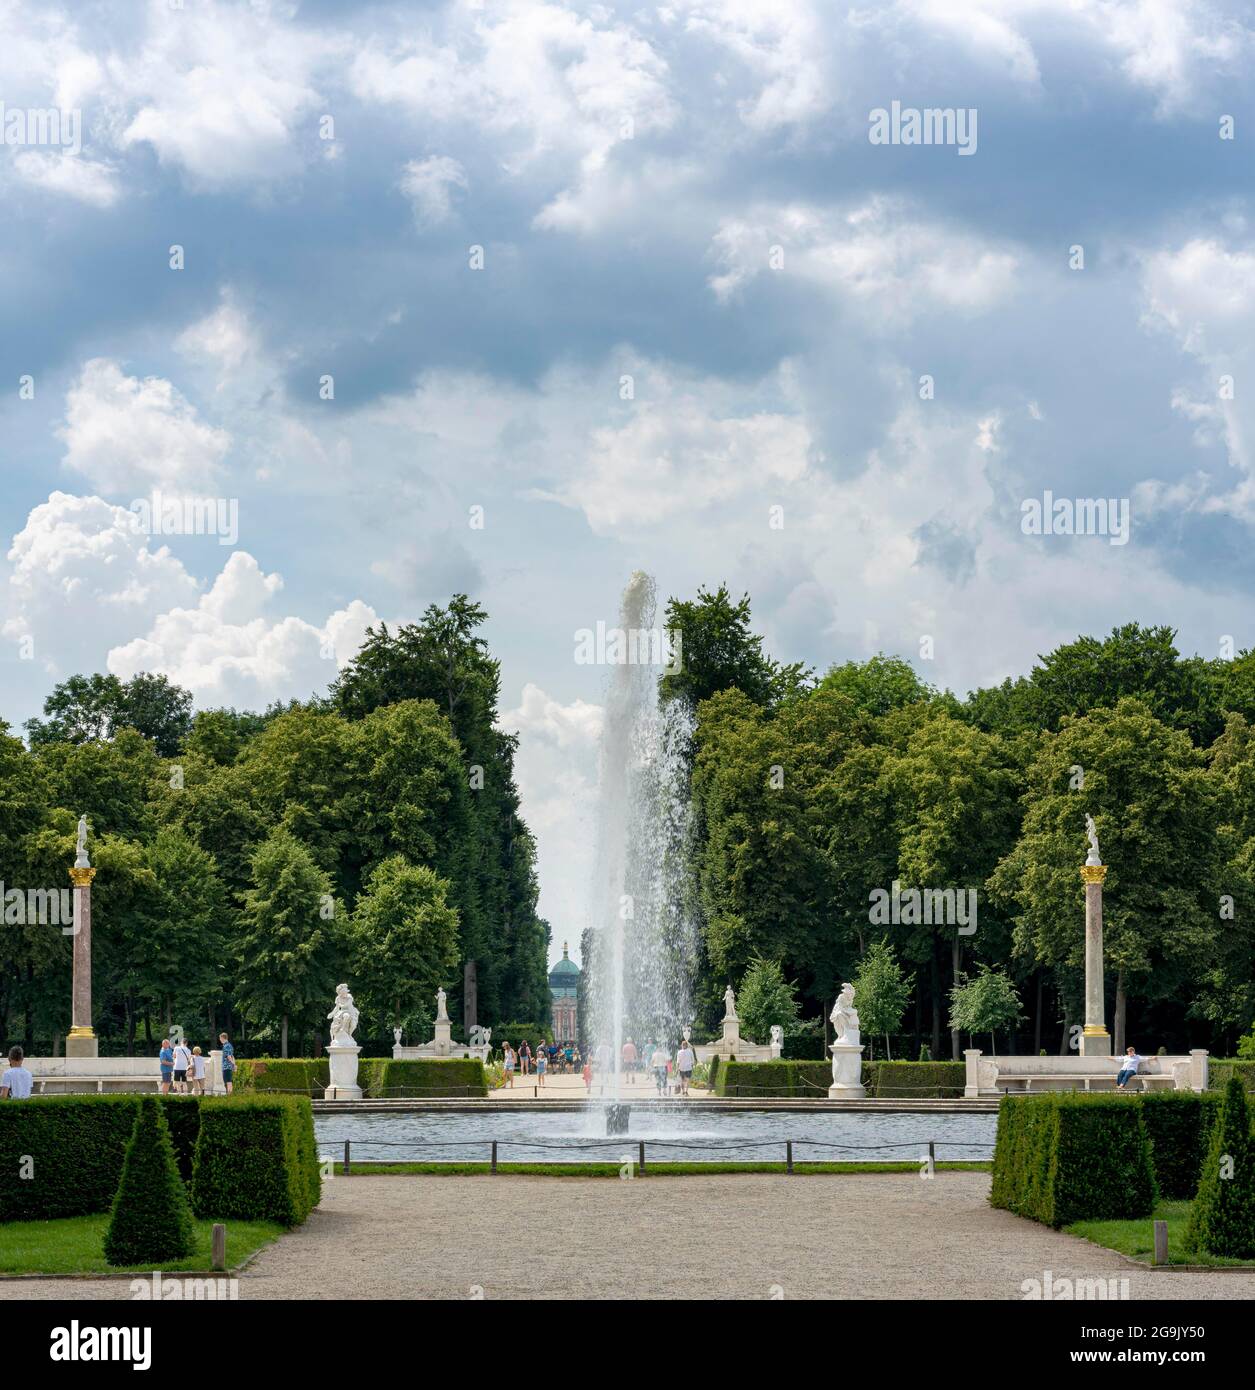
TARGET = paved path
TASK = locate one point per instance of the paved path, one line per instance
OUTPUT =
(561, 1086)
(730, 1236)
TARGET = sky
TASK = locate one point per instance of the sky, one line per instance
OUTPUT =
(516, 298)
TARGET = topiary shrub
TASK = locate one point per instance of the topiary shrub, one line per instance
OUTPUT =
(1219, 1074)
(72, 1147)
(1222, 1218)
(151, 1222)
(1067, 1157)
(423, 1078)
(256, 1159)
(296, 1076)
(751, 1080)
(1178, 1124)
(916, 1080)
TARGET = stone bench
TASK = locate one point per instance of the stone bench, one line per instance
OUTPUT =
(995, 1076)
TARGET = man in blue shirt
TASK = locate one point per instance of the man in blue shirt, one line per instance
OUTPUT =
(166, 1058)
(228, 1062)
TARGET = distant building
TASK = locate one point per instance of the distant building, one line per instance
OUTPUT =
(564, 981)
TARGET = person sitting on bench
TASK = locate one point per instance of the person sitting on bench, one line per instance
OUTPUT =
(1128, 1067)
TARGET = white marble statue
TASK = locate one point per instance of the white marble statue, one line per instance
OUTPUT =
(729, 1003)
(777, 1035)
(81, 860)
(844, 1017)
(1091, 830)
(441, 1012)
(343, 1018)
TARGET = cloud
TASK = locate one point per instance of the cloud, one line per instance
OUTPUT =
(122, 432)
(882, 255)
(228, 649)
(429, 185)
(88, 181)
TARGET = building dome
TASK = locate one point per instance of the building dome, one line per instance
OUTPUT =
(564, 977)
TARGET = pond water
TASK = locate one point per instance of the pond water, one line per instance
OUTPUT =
(672, 1134)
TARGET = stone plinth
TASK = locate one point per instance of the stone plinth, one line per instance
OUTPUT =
(343, 1065)
(847, 1072)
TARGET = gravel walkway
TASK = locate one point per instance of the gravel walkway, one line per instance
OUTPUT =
(723, 1236)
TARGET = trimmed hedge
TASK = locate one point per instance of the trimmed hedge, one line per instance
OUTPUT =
(296, 1076)
(150, 1221)
(425, 1078)
(1219, 1074)
(256, 1159)
(800, 1079)
(915, 1080)
(1178, 1125)
(1068, 1157)
(761, 1080)
(76, 1146)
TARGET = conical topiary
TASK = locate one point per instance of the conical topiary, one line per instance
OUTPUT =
(1222, 1219)
(151, 1221)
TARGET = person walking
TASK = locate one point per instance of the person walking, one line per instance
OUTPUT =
(166, 1060)
(1128, 1068)
(587, 1074)
(16, 1083)
(182, 1065)
(525, 1057)
(658, 1062)
(507, 1061)
(198, 1071)
(629, 1060)
(228, 1062)
(685, 1060)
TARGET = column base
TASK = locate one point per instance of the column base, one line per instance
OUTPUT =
(82, 1042)
(1095, 1042)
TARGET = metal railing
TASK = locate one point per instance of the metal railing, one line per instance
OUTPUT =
(581, 1145)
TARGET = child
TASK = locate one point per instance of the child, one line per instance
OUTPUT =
(588, 1077)
(198, 1072)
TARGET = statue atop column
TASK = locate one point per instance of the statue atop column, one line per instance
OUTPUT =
(81, 860)
(1091, 831)
(343, 1018)
(729, 1003)
(844, 1017)
(441, 1011)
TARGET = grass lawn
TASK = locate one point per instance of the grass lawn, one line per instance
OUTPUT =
(1137, 1238)
(75, 1245)
(668, 1170)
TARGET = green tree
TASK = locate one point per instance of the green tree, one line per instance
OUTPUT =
(151, 1221)
(878, 685)
(288, 946)
(881, 992)
(403, 940)
(766, 999)
(94, 708)
(1222, 1217)
(984, 1004)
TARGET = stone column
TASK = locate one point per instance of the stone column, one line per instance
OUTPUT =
(81, 1040)
(1095, 1040)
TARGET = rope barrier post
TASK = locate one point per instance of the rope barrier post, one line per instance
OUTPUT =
(346, 1158)
(642, 1162)
(932, 1156)
(788, 1155)
(494, 1155)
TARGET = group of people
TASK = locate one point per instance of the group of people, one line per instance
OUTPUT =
(671, 1076)
(548, 1058)
(183, 1067)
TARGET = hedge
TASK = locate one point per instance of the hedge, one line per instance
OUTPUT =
(1220, 1073)
(298, 1076)
(915, 1080)
(1178, 1125)
(256, 1159)
(77, 1145)
(761, 1080)
(1222, 1216)
(1069, 1157)
(425, 1077)
(150, 1221)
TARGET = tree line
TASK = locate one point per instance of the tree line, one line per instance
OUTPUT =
(830, 812)
(248, 861)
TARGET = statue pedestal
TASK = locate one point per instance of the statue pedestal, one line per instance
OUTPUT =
(847, 1072)
(343, 1061)
(442, 1042)
(731, 1038)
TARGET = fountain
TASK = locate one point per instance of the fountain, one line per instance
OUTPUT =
(644, 944)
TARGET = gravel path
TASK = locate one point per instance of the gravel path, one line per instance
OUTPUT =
(723, 1236)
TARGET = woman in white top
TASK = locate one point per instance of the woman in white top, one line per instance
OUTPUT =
(198, 1071)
